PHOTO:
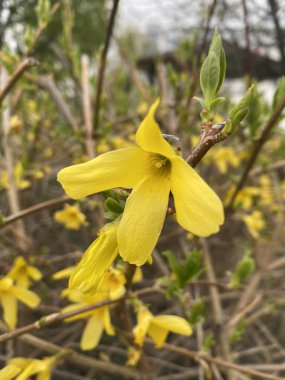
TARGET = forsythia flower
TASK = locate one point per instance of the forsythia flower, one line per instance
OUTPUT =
(254, 223)
(111, 287)
(29, 367)
(9, 294)
(96, 260)
(23, 273)
(223, 157)
(18, 172)
(245, 197)
(70, 216)
(158, 327)
(9, 372)
(152, 169)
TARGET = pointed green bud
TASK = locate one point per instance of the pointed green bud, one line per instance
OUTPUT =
(240, 110)
(112, 205)
(213, 71)
(244, 268)
(279, 92)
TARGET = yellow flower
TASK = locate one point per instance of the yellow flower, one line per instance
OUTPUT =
(16, 124)
(9, 294)
(96, 260)
(245, 197)
(223, 157)
(42, 368)
(152, 169)
(254, 223)
(98, 319)
(23, 273)
(134, 356)
(158, 327)
(9, 372)
(71, 217)
(113, 284)
(21, 183)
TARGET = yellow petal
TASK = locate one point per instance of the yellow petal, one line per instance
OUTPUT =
(173, 323)
(143, 218)
(120, 168)
(95, 261)
(34, 367)
(64, 273)
(26, 296)
(158, 334)
(149, 136)
(9, 304)
(9, 372)
(34, 273)
(107, 321)
(144, 319)
(198, 208)
(45, 375)
(93, 331)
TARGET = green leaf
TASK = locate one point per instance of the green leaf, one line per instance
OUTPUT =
(215, 102)
(173, 263)
(112, 205)
(244, 102)
(197, 313)
(223, 69)
(210, 77)
(200, 100)
(244, 268)
(191, 268)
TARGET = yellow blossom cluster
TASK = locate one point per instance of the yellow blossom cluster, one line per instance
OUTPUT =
(14, 288)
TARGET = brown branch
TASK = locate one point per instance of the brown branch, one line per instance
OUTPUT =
(28, 211)
(42, 28)
(257, 148)
(102, 64)
(86, 105)
(58, 317)
(198, 356)
(26, 64)
(210, 136)
(74, 358)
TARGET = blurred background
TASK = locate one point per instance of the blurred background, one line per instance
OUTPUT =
(101, 64)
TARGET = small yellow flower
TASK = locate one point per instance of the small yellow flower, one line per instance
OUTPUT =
(71, 217)
(96, 260)
(134, 356)
(16, 124)
(245, 197)
(152, 169)
(9, 372)
(21, 183)
(98, 319)
(42, 368)
(23, 273)
(9, 294)
(142, 108)
(113, 284)
(158, 327)
(254, 223)
(223, 157)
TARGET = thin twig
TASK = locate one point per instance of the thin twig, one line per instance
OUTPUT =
(86, 105)
(102, 65)
(26, 64)
(35, 208)
(197, 356)
(58, 317)
(257, 148)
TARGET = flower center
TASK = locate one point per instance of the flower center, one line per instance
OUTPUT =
(160, 164)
